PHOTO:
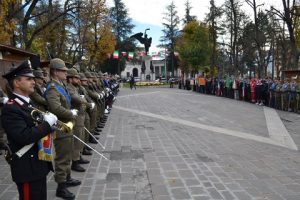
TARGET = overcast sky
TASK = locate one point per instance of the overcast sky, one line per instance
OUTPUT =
(149, 13)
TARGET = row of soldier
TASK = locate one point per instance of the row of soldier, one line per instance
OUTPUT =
(63, 95)
(283, 95)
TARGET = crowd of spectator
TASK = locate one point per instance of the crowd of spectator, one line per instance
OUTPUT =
(283, 95)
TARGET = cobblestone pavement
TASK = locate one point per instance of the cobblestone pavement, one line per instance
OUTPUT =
(174, 144)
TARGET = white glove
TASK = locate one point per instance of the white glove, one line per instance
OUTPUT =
(74, 112)
(92, 105)
(50, 118)
(82, 96)
(5, 100)
(99, 97)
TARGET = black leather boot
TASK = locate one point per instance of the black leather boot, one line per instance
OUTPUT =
(72, 182)
(76, 167)
(83, 161)
(101, 126)
(63, 192)
(87, 148)
(86, 152)
(97, 132)
(98, 129)
(92, 140)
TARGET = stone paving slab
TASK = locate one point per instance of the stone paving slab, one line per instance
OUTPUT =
(153, 158)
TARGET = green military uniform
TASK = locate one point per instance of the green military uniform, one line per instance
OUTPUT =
(59, 103)
(93, 85)
(101, 101)
(101, 88)
(37, 97)
(95, 97)
(78, 102)
(64, 142)
(83, 91)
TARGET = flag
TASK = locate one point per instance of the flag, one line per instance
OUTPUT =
(130, 55)
(116, 54)
(45, 148)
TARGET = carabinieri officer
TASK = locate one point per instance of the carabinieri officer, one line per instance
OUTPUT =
(28, 172)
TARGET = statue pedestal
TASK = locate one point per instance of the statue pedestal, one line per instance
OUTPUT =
(143, 77)
(148, 75)
(152, 76)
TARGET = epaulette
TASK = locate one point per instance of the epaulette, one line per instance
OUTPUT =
(10, 102)
(19, 101)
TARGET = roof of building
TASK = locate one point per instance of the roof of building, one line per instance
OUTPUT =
(15, 50)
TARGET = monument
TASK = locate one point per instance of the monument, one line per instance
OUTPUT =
(146, 71)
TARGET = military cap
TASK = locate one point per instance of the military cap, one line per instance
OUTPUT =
(82, 77)
(38, 73)
(93, 74)
(57, 63)
(105, 74)
(88, 75)
(73, 73)
(24, 69)
(99, 74)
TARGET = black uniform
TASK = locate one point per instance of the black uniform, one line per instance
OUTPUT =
(28, 171)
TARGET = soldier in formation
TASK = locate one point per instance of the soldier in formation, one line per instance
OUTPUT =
(28, 171)
(59, 103)
(62, 96)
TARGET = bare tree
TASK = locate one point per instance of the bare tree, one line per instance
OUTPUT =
(289, 15)
(235, 20)
(212, 20)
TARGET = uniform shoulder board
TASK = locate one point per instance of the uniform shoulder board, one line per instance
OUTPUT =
(19, 101)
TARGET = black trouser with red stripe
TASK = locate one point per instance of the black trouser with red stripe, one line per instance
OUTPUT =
(34, 190)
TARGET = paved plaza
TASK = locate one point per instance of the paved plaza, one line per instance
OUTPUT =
(175, 144)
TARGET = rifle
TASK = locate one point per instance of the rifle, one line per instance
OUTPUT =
(48, 52)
